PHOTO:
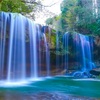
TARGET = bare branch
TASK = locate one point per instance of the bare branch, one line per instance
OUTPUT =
(34, 2)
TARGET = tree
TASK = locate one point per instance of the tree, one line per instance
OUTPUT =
(69, 15)
(21, 6)
(81, 16)
(54, 22)
(49, 21)
(14, 6)
(88, 22)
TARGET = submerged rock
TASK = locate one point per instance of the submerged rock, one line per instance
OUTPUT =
(57, 96)
(44, 96)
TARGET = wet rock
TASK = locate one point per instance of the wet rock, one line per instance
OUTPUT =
(79, 74)
(95, 71)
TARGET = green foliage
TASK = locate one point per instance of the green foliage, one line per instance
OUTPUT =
(51, 39)
(79, 16)
(49, 21)
(98, 77)
(89, 28)
(20, 6)
(53, 22)
(14, 6)
(68, 15)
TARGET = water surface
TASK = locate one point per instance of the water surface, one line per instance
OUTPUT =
(54, 88)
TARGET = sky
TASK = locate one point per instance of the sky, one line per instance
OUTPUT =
(54, 9)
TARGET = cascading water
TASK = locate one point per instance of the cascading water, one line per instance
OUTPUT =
(85, 52)
(20, 48)
(81, 50)
(33, 49)
(65, 46)
(3, 28)
(14, 50)
(47, 53)
(39, 35)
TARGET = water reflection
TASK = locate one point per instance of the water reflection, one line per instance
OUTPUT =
(42, 96)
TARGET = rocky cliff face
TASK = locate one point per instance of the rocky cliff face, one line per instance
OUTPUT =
(97, 48)
(72, 61)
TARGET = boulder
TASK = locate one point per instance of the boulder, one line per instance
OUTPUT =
(95, 71)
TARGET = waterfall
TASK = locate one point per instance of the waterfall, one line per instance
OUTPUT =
(3, 28)
(46, 43)
(16, 52)
(81, 48)
(20, 48)
(25, 49)
(86, 52)
(65, 46)
(13, 30)
(39, 35)
(33, 49)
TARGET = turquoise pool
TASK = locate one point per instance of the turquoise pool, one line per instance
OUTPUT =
(53, 88)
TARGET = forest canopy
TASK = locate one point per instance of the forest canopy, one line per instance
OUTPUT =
(21, 6)
(81, 16)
